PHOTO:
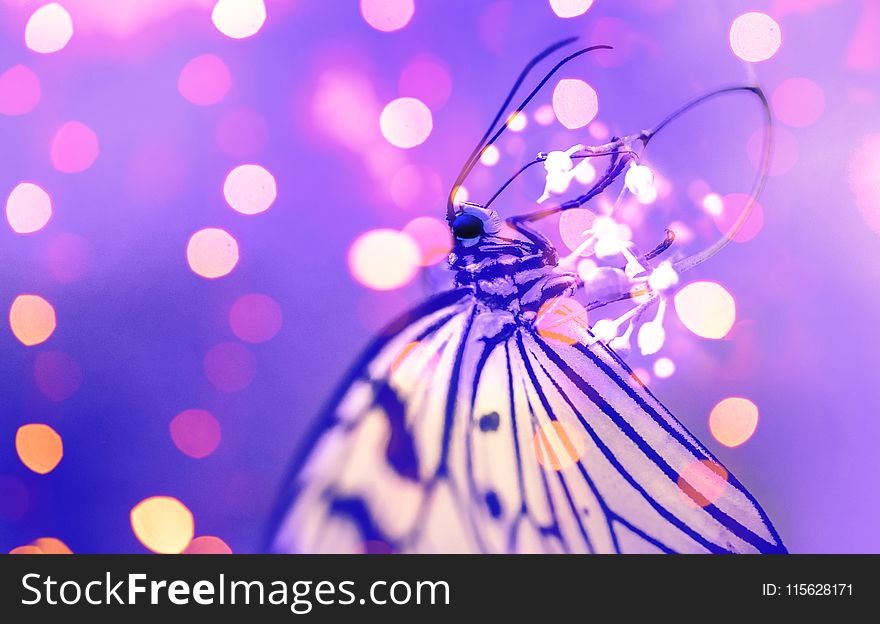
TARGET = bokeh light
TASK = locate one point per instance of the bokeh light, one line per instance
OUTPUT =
(584, 172)
(255, 317)
(28, 208)
(864, 179)
(544, 115)
(755, 37)
(52, 546)
(49, 29)
(713, 204)
(706, 308)
(74, 147)
(798, 102)
(163, 524)
(123, 19)
(562, 319)
(664, 368)
(641, 377)
(575, 227)
(230, 366)
(387, 15)
(863, 45)
(406, 122)
(575, 103)
(490, 156)
(426, 78)
(698, 189)
(212, 253)
(205, 80)
(585, 269)
(20, 91)
(32, 319)
(599, 130)
(570, 8)
(250, 189)
(239, 19)
(406, 378)
(57, 375)
(432, 237)
(39, 447)
(559, 445)
(460, 194)
(702, 482)
(517, 122)
(384, 259)
(408, 350)
(195, 432)
(414, 187)
(683, 234)
(732, 206)
(334, 115)
(784, 155)
(733, 421)
(207, 545)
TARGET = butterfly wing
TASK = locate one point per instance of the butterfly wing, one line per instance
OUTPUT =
(568, 452)
(630, 476)
(465, 430)
(372, 466)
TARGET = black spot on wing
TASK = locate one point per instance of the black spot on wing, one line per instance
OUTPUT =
(490, 421)
(400, 450)
(493, 504)
(355, 510)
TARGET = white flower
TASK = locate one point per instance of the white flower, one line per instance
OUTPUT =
(605, 330)
(663, 277)
(639, 181)
(651, 338)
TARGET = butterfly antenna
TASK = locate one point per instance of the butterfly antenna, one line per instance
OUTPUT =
(485, 141)
(510, 180)
(510, 95)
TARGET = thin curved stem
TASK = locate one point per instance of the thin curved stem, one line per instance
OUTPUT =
(624, 147)
(698, 258)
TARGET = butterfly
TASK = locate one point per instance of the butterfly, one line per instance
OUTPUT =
(491, 418)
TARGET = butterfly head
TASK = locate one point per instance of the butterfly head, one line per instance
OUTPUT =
(472, 222)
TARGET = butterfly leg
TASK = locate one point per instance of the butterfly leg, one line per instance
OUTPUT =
(567, 284)
(616, 166)
(521, 224)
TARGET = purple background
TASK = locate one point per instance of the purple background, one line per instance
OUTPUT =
(139, 322)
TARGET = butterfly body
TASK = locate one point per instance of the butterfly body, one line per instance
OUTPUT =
(514, 275)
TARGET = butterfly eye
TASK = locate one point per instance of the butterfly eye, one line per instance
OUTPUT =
(467, 226)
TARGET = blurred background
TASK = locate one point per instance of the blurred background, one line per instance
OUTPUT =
(212, 206)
